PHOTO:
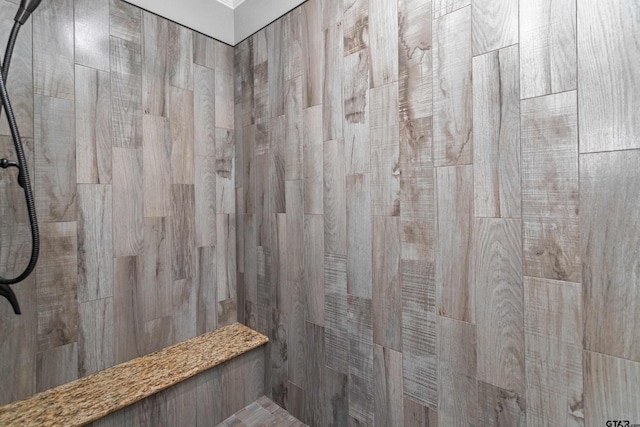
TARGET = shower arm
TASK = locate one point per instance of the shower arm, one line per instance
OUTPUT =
(25, 10)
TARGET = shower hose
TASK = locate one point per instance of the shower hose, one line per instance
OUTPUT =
(23, 173)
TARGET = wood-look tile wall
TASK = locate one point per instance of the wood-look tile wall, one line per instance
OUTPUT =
(461, 223)
(127, 120)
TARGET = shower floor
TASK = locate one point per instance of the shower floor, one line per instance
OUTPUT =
(262, 412)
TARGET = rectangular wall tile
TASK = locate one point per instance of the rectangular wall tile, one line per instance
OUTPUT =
(95, 338)
(207, 289)
(155, 98)
(385, 151)
(547, 47)
(156, 152)
(610, 387)
(454, 292)
(336, 319)
(93, 126)
(183, 231)
(387, 390)
(277, 153)
(224, 99)
(360, 330)
(95, 244)
(383, 33)
(419, 334)
(55, 151)
(606, 95)
(182, 141)
(457, 385)
(550, 187)
(312, 53)
(125, 20)
(56, 366)
(53, 49)
(126, 93)
(553, 334)
(453, 118)
(334, 201)
(416, 169)
(332, 103)
(293, 130)
(610, 233)
(295, 231)
(204, 111)
(314, 413)
(128, 324)
(185, 313)
(494, 25)
(359, 268)
(92, 34)
(496, 134)
(225, 256)
(415, 61)
(273, 34)
(497, 272)
(57, 285)
(180, 57)
(387, 294)
(313, 161)
(225, 171)
(154, 268)
(296, 333)
(314, 267)
(128, 197)
(357, 147)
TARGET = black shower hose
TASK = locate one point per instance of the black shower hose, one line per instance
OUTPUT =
(23, 176)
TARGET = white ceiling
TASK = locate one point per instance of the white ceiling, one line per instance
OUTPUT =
(229, 21)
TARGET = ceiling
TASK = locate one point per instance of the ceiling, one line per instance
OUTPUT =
(229, 21)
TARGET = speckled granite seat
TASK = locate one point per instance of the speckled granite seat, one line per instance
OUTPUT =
(92, 397)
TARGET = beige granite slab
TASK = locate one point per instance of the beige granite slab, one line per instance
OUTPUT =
(95, 396)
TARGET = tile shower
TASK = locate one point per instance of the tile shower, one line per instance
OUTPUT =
(431, 206)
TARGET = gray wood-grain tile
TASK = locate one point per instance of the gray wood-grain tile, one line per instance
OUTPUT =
(550, 188)
(334, 201)
(183, 231)
(57, 286)
(496, 134)
(357, 147)
(547, 47)
(93, 126)
(355, 25)
(385, 151)
(126, 93)
(53, 49)
(455, 294)
(609, 201)
(387, 293)
(126, 21)
(332, 83)
(553, 324)
(387, 389)
(91, 25)
(383, 33)
(56, 366)
(457, 385)
(95, 242)
(497, 272)
(95, 335)
(359, 247)
(312, 53)
(128, 209)
(180, 56)
(494, 25)
(499, 407)
(156, 153)
(182, 135)
(128, 302)
(155, 96)
(607, 53)
(313, 161)
(452, 96)
(55, 151)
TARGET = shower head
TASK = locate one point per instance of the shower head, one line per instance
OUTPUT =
(26, 9)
